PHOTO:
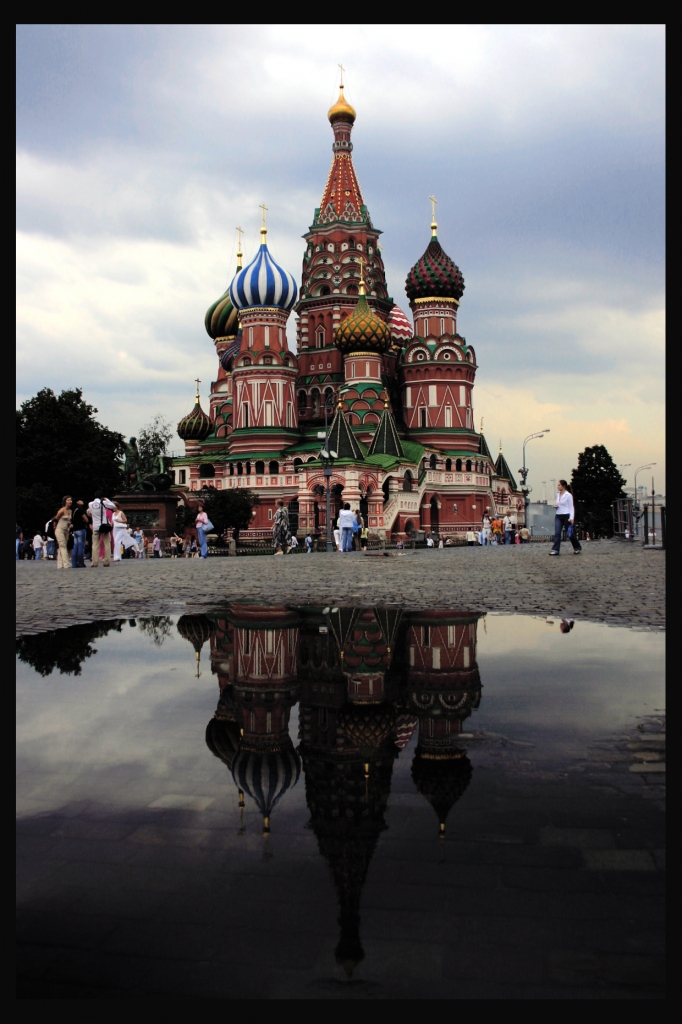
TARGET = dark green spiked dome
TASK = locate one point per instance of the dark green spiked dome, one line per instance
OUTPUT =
(221, 320)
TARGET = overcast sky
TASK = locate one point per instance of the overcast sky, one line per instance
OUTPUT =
(140, 149)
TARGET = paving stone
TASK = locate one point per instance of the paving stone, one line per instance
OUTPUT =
(619, 860)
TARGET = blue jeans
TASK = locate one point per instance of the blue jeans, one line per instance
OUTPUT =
(559, 523)
(347, 538)
(201, 537)
(78, 553)
(507, 536)
(38, 554)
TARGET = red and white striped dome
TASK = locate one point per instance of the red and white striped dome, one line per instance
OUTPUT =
(401, 328)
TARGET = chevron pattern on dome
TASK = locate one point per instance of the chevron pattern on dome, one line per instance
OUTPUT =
(362, 331)
(230, 352)
(434, 275)
(221, 320)
(386, 440)
(401, 328)
(263, 283)
(196, 426)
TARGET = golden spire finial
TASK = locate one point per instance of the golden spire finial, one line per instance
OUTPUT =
(198, 382)
(434, 226)
(240, 232)
(263, 229)
(481, 430)
(342, 71)
(385, 394)
(361, 282)
(500, 446)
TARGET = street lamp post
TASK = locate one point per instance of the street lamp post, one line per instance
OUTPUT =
(636, 509)
(327, 458)
(523, 473)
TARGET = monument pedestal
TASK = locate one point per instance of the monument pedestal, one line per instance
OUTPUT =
(154, 511)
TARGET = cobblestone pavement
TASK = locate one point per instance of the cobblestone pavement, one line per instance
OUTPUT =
(609, 582)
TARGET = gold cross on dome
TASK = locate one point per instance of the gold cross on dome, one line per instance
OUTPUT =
(240, 232)
(264, 208)
(434, 203)
(198, 382)
(342, 71)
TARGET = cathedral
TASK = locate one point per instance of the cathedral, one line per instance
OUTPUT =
(389, 395)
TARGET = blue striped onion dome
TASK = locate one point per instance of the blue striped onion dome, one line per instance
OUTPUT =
(266, 775)
(263, 283)
(221, 320)
(227, 358)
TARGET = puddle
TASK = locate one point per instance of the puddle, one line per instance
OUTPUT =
(334, 790)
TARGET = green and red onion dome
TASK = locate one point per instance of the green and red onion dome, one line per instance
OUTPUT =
(221, 320)
(434, 276)
(362, 331)
(196, 426)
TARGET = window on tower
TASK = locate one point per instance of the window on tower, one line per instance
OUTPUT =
(458, 466)
(325, 290)
(260, 468)
(433, 462)
(468, 465)
(422, 417)
(448, 465)
(319, 337)
(273, 467)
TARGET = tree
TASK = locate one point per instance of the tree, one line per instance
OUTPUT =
(230, 509)
(153, 438)
(596, 484)
(64, 649)
(62, 449)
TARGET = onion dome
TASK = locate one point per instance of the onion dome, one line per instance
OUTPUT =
(434, 276)
(442, 781)
(196, 426)
(221, 320)
(402, 330)
(227, 358)
(263, 282)
(222, 739)
(342, 110)
(266, 776)
(405, 725)
(367, 727)
(195, 628)
(363, 330)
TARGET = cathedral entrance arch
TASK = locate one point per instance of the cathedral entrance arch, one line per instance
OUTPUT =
(435, 506)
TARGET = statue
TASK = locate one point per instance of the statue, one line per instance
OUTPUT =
(146, 472)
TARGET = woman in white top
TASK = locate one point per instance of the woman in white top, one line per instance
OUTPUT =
(565, 516)
(121, 535)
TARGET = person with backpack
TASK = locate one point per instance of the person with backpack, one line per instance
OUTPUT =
(346, 522)
(101, 527)
(564, 517)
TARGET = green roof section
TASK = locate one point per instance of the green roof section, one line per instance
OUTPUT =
(413, 451)
(483, 448)
(503, 470)
(386, 440)
(342, 440)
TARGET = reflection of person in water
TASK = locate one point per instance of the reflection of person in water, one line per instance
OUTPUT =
(566, 625)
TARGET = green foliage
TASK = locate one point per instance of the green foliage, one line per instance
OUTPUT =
(63, 649)
(596, 484)
(158, 628)
(230, 509)
(153, 438)
(62, 449)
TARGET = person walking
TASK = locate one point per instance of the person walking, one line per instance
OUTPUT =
(486, 529)
(294, 542)
(507, 527)
(61, 532)
(51, 542)
(101, 527)
(187, 548)
(364, 538)
(80, 521)
(37, 546)
(174, 545)
(524, 534)
(429, 541)
(156, 547)
(471, 538)
(308, 544)
(337, 534)
(564, 517)
(121, 536)
(346, 521)
(19, 539)
(440, 542)
(281, 537)
(203, 524)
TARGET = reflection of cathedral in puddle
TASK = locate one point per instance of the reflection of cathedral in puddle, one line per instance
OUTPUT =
(368, 680)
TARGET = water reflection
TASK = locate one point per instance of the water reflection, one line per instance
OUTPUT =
(366, 680)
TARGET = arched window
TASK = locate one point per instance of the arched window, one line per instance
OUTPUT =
(297, 462)
(240, 469)
(422, 417)
(433, 462)
(351, 243)
(319, 337)
(468, 465)
(409, 527)
(260, 468)
(302, 402)
(458, 466)
(352, 289)
(274, 467)
(315, 396)
(324, 290)
(407, 481)
(448, 465)
(248, 469)
(232, 469)
(312, 459)
(329, 398)
(206, 470)
(246, 361)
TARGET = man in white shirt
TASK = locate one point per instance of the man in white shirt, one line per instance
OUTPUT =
(486, 530)
(346, 520)
(429, 541)
(37, 546)
(97, 511)
(507, 527)
(294, 542)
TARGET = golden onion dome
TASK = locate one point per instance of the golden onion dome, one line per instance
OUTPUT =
(362, 330)
(342, 110)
